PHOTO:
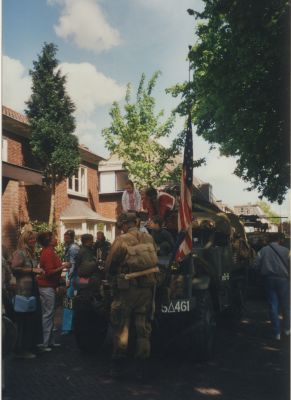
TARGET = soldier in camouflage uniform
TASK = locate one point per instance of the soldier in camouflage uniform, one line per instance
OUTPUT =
(131, 299)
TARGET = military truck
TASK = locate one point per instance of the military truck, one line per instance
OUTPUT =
(212, 280)
(190, 294)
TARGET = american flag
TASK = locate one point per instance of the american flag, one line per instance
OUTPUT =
(185, 208)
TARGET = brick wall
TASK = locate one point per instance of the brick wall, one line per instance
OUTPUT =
(61, 200)
(21, 204)
(14, 199)
(93, 198)
(14, 150)
(10, 215)
(110, 205)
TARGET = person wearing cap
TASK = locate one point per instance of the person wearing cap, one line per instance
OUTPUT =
(131, 298)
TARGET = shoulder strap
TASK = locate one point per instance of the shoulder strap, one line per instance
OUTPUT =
(281, 258)
(137, 236)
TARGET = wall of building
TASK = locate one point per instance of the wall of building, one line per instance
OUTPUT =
(92, 177)
(14, 199)
(61, 199)
(10, 215)
(14, 150)
(21, 204)
(110, 205)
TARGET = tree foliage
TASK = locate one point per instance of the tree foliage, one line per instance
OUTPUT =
(269, 213)
(50, 114)
(239, 93)
(134, 136)
(38, 227)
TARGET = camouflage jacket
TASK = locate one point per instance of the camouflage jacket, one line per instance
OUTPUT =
(115, 263)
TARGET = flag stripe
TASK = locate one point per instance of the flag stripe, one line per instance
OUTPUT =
(185, 208)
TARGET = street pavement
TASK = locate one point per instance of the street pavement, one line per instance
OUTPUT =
(248, 365)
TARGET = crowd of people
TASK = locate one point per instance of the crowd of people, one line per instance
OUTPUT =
(129, 265)
(38, 277)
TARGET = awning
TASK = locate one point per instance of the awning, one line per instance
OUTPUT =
(23, 174)
(80, 210)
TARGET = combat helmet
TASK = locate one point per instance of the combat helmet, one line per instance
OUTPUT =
(126, 217)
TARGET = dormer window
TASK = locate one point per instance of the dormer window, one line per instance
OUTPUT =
(77, 184)
(112, 181)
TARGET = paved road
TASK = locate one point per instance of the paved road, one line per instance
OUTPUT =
(247, 366)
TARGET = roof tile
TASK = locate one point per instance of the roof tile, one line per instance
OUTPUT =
(8, 112)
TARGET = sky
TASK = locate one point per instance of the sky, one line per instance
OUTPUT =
(102, 46)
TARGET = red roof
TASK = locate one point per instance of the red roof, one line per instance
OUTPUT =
(15, 115)
(85, 153)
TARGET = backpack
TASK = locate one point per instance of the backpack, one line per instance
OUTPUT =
(140, 251)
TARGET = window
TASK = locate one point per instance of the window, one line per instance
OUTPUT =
(75, 226)
(121, 179)
(4, 149)
(107, 182)
(81, 227)
(77, 184)
(91, 228)
(111, 181)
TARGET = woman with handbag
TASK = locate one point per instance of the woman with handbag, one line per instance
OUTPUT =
(26, 300)
(48, 282)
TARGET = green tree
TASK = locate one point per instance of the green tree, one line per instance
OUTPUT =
(50, 114)
(269, 213)
(134, 137)
(38, 227)
(240, 88)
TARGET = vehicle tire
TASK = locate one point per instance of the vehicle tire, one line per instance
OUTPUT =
(237, 303)
(204, 328)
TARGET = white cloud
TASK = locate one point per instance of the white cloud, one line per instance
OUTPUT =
(85, 24)
(89, 88)
(226, 186)
(230, 188)
(87, 125)
(16, 84)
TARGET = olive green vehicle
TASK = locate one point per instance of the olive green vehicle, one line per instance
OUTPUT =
(210, 281)
(189, 295)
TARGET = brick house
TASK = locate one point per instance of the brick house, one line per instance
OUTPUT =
(24, 198)
(250, 209)
(112, 180)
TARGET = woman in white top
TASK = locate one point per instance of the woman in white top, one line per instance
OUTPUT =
(131, 199)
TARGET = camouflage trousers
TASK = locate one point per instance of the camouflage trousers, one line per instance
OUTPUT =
(134, 303)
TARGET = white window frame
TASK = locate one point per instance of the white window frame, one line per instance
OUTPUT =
(82, 226)
(83, 185)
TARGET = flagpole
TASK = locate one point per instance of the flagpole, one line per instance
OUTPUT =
(189, 72)
(191, 261)
(182, 251)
